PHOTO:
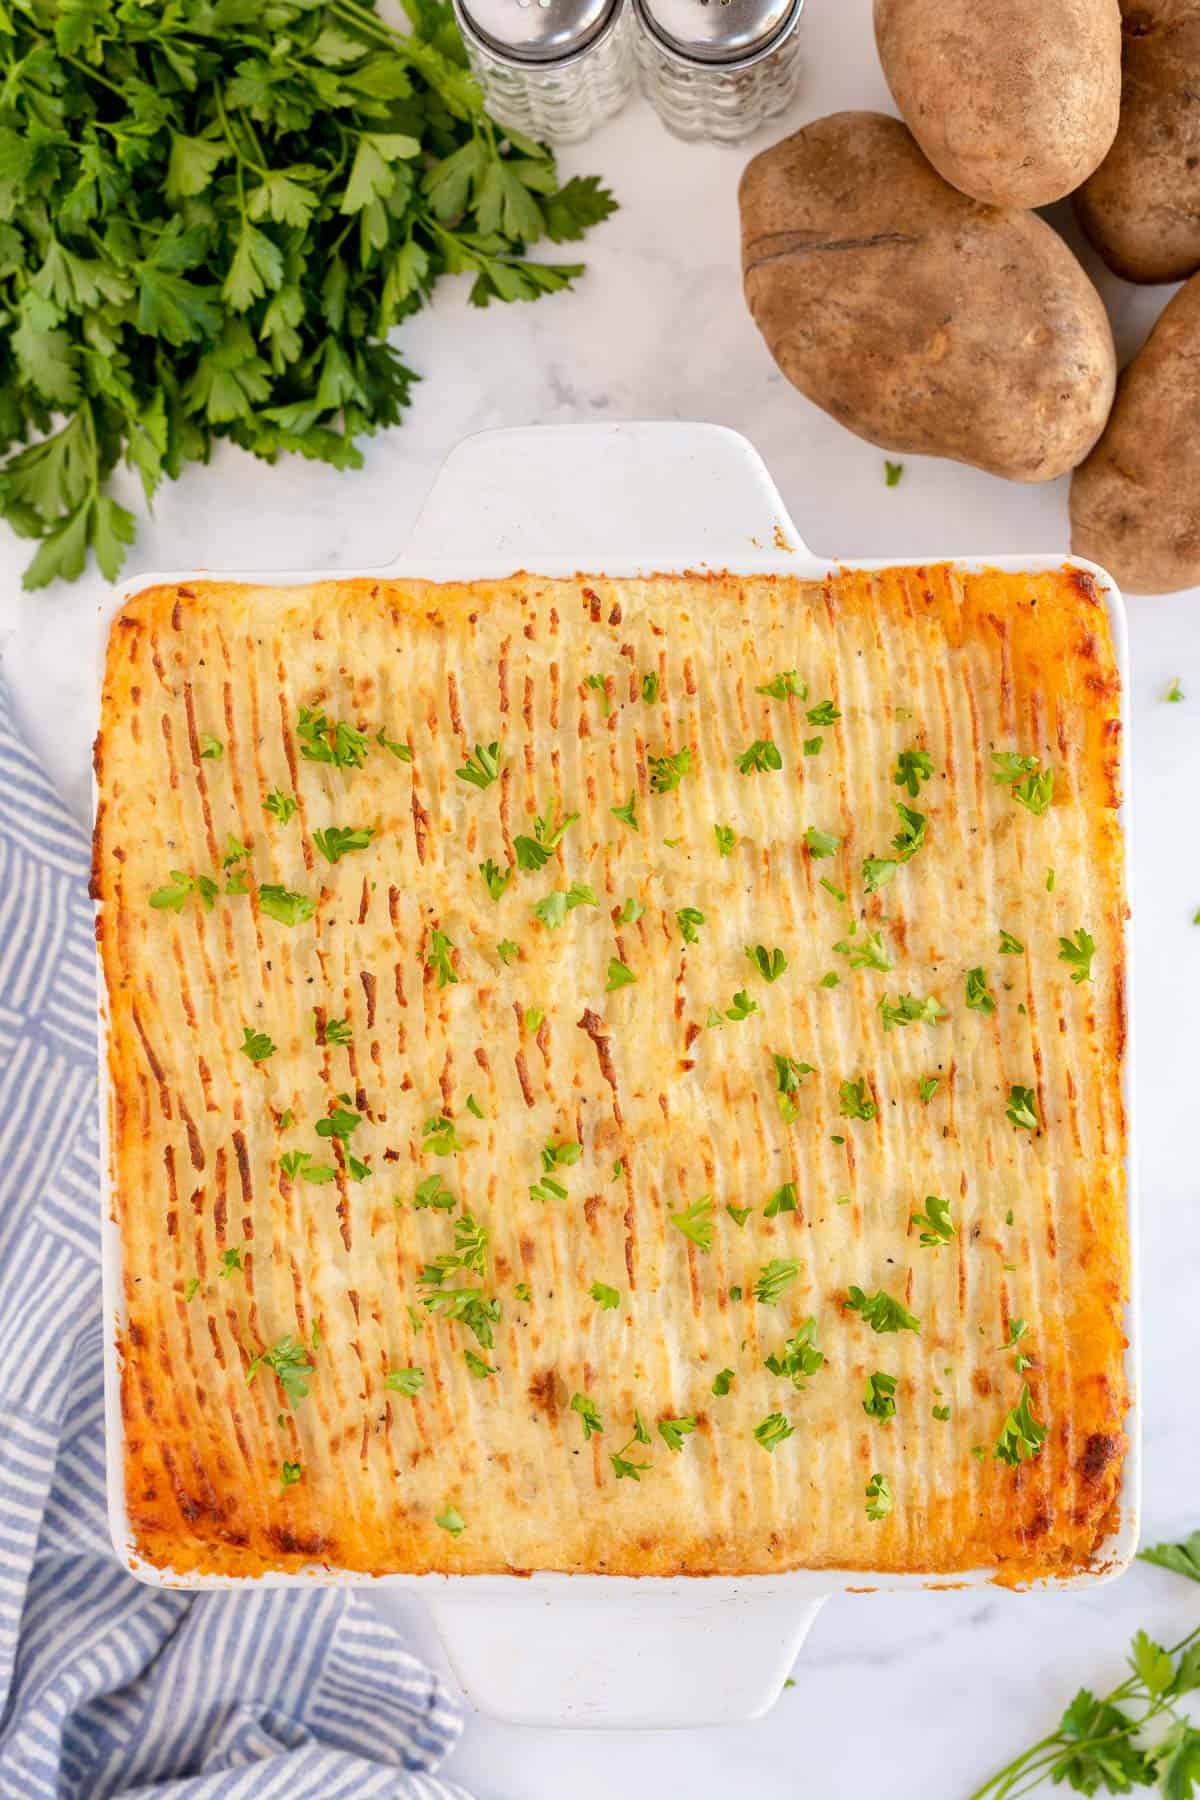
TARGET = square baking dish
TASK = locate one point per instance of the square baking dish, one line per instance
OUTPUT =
(594, 1650)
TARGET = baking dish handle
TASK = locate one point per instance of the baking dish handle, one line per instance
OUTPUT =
(668, 494)
(609, 1653)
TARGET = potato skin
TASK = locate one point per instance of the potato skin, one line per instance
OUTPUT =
(919, 319)
(1135, 502)
(1141, 208)
(1014, 102)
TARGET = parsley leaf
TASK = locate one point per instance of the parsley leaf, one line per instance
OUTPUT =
(773, 1430)
(211, 748)
(288, 1361)
(1021, 1436)
(781, 1201)
(761, 756)
(695, 1222)
(326, 740)
(552, 911)
(1183, 1558)
(880, 1399)
(688, 918)
(880, 1499)
(722, 1382)
(934, 1223)
(280, 805)
(799, 1357)
(437, 958)
(1174, 692)
(673, 1431)
(912, 768)
(980, 997)
(588, 1413)
(650, 687)
(824, 714)
(627, 813)
(451, 1520)
(927, 1087)
(821, 843)
(495, 879)
(338, 840)
(726, 839)
(405, 1381)
(908, 1010)
(666, 772)
(854, 1101)
(773, 1278)
(1078, 951)
(619, 976)
(1009, 945)
(281, 904)
(781, 686)
(1022, 1108)
(607, 1298)
(866, 952)
(742, 1006)
(771, 964)
(892, 471)
(256, 1044)
(482, 766)
(880, 1311)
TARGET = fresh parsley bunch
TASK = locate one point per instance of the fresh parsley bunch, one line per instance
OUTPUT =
(212, 212)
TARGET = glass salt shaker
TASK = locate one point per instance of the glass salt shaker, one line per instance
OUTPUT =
(718, 69)
(554, 69)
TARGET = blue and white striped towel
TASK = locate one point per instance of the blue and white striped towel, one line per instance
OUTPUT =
(108, 1687)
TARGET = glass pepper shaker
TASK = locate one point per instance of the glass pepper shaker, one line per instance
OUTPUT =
(718, 69)
(554, 69)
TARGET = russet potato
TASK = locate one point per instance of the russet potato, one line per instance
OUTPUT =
(1135, 502)
(922, 320)
(1013, 101)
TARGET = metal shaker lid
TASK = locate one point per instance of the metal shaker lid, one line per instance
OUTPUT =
(719, 31)
(535, 31)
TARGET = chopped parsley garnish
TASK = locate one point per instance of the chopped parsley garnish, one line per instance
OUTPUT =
(1036, 792)
(474, 1108)
(599, 685)
(771, 964)
(877, 871)
(781, 1201)
(607, 1298)
(1032, 786)
(892, 473)
(506, 950)
(673, 1431)
(1022, 1108)
(650, 687)
(866, 952)
(235, 852)
(812, 746)
(666, 772)
(440, 1136)
(739, 1214)
(831, 887)
(773, 1430)
(908, 1010)
(298, 1165)
(533, 1018)
(1021, 1435)
(1008, 766)
(192, 1288)
(934, 1223)
(824, 714)
(433, 1192)
(789, 1074)
(337, 1031)
(821, 843)
(587, 1410)
(256, 1044)
(631, 912)
(688, 919)
(231, 1262)
(1078, 951)
(288, 1361)
(534, 852)
(280, 805)
(880, 1311)
(830, 980)
(211, 748)
(452, 1521)
(799, 1357)
(912, 768)
(553, 909)
(524, 1292)
(742, 1006)
(476, 1365)
(941, 1413)
(340, 1124)
(1050, 880)
(911, 835)
(619, 976)
(880, 1399)
(622, 1465)
(326, 740)
(980, 997)
(564, 1155)
(467, 1306)
(482, 767)
(437, 958)
(495, 879)
(773, 1278)
(781, 686)
(880, 1499)
(696, 1223)
(283, 905)
(627, 813)
(1009, 945)
(400, 751)
(762, 755)
(289, 1473)
(726, 839)
(173, 897)
(405, 1381)
(1175, 692)
(854, 1101)
(927, 1087)
(722, 1382)
(338, 840)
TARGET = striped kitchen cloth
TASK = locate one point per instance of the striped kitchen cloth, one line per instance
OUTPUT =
(108, 1687)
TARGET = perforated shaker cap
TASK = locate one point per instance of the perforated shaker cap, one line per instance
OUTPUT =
(718, 31)
(535, 31)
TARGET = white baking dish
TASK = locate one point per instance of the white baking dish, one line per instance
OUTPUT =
(604, 1650)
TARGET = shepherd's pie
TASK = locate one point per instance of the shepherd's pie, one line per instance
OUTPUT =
(617, 1075)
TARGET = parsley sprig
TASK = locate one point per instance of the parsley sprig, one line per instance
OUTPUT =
(212, 222)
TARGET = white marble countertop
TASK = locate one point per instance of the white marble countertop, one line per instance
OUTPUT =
(920, 1695)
